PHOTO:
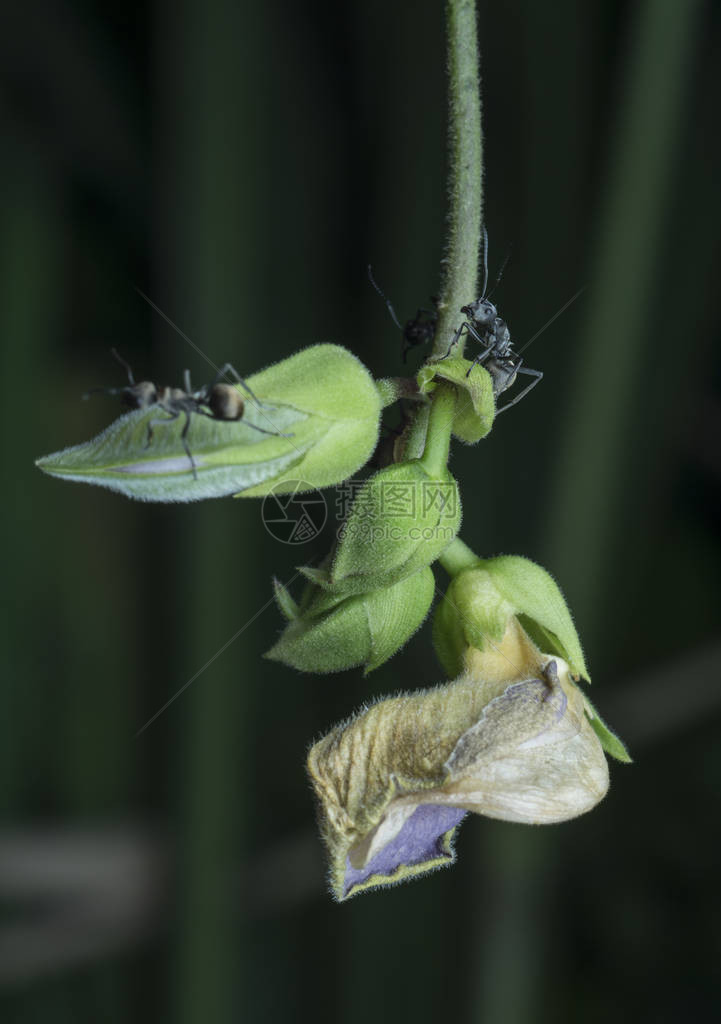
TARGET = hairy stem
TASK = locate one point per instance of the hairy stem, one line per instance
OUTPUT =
(458, 556)
(438, 436)
(460, 284)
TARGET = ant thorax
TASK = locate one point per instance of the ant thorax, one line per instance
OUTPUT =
(502, 340)
(170, 397)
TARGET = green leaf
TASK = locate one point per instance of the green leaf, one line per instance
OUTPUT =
(228, 457)
(322, 397)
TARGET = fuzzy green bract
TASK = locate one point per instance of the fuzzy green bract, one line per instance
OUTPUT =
(475, 408)
(337, 633)
(400, 521)
(480, 602)
(322, 396)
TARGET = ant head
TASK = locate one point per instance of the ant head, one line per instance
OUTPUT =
(482, 312)
(225, 402)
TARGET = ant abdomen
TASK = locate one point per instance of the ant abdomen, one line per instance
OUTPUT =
(225, 402)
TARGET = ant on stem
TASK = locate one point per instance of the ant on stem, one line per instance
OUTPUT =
(486, 327)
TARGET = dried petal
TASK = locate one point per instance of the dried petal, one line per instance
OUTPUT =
(394, 782)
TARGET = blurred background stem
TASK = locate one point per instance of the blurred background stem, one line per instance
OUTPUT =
(611, 357)
(582, 509)
(212, 196)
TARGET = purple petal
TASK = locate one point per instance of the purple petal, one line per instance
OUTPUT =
(423, 838)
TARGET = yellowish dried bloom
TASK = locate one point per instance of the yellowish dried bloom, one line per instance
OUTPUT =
(508, 739)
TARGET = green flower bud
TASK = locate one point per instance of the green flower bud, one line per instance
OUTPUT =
(480, 601)
(317, 423)
(400, 521)
(334, 633)
(508, 739)
(476, 407)
(483, 601)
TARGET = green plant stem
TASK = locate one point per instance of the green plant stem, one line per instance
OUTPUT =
(438, 437)
(416, 440)
(458, 556)
(460, 284)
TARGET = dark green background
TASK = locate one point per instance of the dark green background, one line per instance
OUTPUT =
(242, 163)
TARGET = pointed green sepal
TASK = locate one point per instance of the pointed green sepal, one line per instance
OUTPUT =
(609, 740)
(286, 605)
(537, 600)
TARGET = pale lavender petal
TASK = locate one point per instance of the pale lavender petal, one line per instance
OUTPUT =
(419, 841)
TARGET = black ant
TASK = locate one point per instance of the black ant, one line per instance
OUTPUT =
(421, 330)
(486, 327)
(217, 401)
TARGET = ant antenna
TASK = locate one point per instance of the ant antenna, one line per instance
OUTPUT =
(126, 366)
(555, 316)
(500, 273)
(485, 261)
(386, 300)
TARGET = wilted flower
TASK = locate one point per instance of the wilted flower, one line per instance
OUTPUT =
(510, 738)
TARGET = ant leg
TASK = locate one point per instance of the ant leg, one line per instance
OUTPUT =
(476, 362)
(481, 341)
(536, 374)
(184, 439)
(275, 433)
(456, 338)
(152, 423)
(126, 366)
(210, 416)
(227, 368)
